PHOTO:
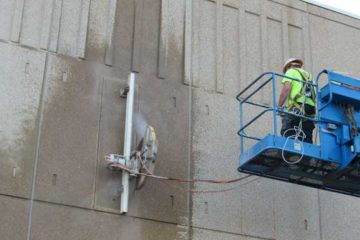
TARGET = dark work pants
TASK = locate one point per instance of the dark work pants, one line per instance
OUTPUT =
(291, 122)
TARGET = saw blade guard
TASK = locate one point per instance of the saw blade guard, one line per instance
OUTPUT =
(148, 148)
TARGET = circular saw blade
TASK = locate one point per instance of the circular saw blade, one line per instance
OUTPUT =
(148, 147)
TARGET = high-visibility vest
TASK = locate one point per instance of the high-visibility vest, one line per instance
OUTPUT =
(300, 92)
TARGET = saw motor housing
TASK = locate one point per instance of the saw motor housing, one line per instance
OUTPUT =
(142, 161)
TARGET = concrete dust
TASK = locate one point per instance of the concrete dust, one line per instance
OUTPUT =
(140, 124)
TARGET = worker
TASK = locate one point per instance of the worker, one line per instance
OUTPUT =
(298, 98)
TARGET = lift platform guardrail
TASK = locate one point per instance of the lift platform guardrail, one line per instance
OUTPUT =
(334, 163)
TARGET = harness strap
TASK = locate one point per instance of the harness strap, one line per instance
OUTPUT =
(313, 94)
(302, 110)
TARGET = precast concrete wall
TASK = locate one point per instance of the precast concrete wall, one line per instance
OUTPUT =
(62, 65)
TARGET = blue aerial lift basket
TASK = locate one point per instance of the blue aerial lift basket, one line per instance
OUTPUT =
(333, 164)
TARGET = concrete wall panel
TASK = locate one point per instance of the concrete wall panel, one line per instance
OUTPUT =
(275, 47)
(215, 153)
(53, 222)
(167, 119)
(163, 39)
(296, 43)
(125, 50)
(6, 17)
(59, 25)
(99, 25)
(111, 140)
(157, 200)
(231, 58)
(275, 55)
(146, 38)
(138, 36)
(251, 202)
(296, 212)
(340, 211)
(225, 45)
(22, 77)
(151, 30)
(16, 20)
(72, 32)
(329, 39)
(14, 218)
(273, 11)
(69, 133)
(33, 19)
(55, 25)
(294, 17)
(207, 44)
(216, 41)
(210, 144)
(257, 199)
(301, 5)
(253, 6)
(168, 112)
(253, 47)
(333, 16)
(199, 234)
(171, 48)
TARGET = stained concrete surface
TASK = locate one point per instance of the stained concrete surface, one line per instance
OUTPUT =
(124, 34)
(168, 112)
(230, 43)
(69, 132)
(157, 200)
(21, 84)
(98, 31)
(112, 123)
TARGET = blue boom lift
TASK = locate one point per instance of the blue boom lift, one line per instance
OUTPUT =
(334, 163)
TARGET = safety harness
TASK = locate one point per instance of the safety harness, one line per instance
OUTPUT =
(307, 91)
